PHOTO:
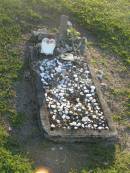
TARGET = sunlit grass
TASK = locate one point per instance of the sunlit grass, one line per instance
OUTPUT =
(108, 20)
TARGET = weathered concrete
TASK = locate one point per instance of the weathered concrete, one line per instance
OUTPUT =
(63, 27)
(80, 135)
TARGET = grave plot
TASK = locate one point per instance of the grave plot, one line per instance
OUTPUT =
(70, 94)
(71, 106)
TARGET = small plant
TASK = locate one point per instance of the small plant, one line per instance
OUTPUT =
(73, 34)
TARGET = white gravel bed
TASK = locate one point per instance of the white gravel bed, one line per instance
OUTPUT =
(71, 96)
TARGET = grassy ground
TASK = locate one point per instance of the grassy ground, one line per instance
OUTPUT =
(107, 18)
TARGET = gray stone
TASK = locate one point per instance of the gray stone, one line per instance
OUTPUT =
(99, 77)
(27, 75)
(40, 34)
(100, 72)
(60, 148)
(82, 46)
(104, 86)
(63, 27)
(53, 148)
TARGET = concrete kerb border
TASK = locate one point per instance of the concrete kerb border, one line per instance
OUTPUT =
(81, 135)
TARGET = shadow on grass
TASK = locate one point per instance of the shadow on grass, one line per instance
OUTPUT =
(64, 157)
(91, 156)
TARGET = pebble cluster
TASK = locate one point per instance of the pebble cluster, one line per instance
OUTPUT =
(71, 96)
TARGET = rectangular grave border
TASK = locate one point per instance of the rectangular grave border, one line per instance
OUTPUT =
(64, 135)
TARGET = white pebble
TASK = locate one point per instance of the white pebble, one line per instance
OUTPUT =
(93, 87)
(88, 95)
(94, 116)
(73, 124)
(100, 128)
(53, 126)
(63, 117)
(82, 125)
(53, 106)
(79, 124)
(84, 119)
(58, 121)
(67, 117)
(54, 117)
(86, 91)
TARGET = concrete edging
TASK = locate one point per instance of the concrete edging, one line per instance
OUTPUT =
(64, 135)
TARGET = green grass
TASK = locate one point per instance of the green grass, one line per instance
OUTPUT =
(10, 64)
(108, 20)
(11, 163)
(124, 95)
(106, 159)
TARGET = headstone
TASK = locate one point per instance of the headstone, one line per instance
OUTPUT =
(63, 26)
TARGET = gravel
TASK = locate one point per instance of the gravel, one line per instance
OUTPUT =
(71, 95)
